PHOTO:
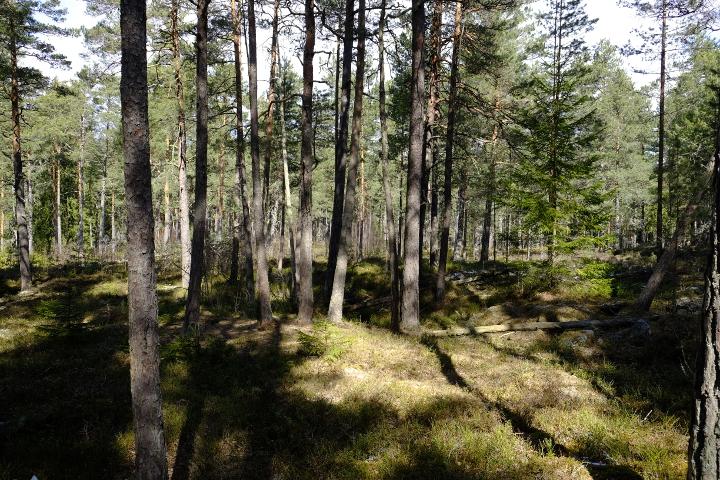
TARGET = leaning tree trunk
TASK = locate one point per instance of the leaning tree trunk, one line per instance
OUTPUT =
(704, 449)
(337, 296)
(304, 251)
(185, 246)
(449, 144)
(243, 231)
(150, 450)
(340, 149)
(192, 304)
(646, 297)
(263, 282)
(411, 272)
(387, 188)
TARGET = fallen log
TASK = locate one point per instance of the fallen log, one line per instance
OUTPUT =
(530, 326)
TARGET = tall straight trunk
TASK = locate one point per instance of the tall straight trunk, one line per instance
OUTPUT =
(449, 144)
(489, 196)
(150, 449)
(102, 239)
(392, 244)
(263, 282)
(166, 195)
(341, 149)
(21, 225)
(337, 296)
(704, 447)
(57, 210)
(433, 147)
(30, 209)
(2, 216)
(271, 97)
(81, 193)
(182, 146)
(410, 320)
(192, 303)
(304, 252)
(221, 182)
(113, 231)
(362, 207)
(243, 230)
(661, 131)
(460, 224)
(288, 217)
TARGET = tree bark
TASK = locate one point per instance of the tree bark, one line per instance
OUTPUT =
(304, 253)
(166, 195)
(57, 209)
(338, 288)
(185, 246)
(21, 225)
(102, 239)
(192, 304)
(449, 144)
(341, 149)
(263, 282)
(458, 246)
(489, 198)
(661, 131)
(392, 244)
(410, 320)
(81, 193)
(243, 229)
(271, 98)
(433, 146)
(150, 449)
(704, 447)
(288, 217)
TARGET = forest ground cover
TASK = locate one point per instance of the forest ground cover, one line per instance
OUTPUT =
(353, 400)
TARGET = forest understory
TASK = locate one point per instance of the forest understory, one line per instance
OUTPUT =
(353, 400)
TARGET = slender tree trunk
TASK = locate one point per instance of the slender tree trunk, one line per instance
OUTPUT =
(433, 146)
(661, 132)
(489, 197)
(288, 217)
(449, 144)
(272, 98)
(21, 225)
(192, 304)
(221, 182)
(102, 239)
(704, 448)
(150, 449)
(57, 211)
(410, 320)
(113, 231)
(81, 193)
(2, 216)
(460, 224)
(185, 246)
(341, 149)
(243, 229)
(304, 253)
(338, 289)
(392, 244)
(263, 282)
(166, 195)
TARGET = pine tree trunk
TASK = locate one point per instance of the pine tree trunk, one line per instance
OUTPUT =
(102, 239)
(449, 144)
(166, 196)
(242, 241)
(30, 209)
(661, 131)
(337, 296)
(271, 98)
(192, 304)
(150, 449)
(410, 320)
(433, 146)
(81, 193)
(460, 224)
(57, 211)
(2, 216)
(263, 282)
(221, 183)
(392, 244)
(304, 252)
(704, 449)
(185, 246)
(341, 149)
(489, 197)
(288, 217)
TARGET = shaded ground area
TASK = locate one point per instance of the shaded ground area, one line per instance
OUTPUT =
(352, 400)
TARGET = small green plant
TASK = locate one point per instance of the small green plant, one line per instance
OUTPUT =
(324, 341)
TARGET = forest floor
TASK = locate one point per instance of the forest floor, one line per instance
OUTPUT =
(353, 400)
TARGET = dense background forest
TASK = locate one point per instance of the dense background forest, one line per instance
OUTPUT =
(442, 239)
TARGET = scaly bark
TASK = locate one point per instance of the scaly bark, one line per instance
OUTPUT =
(150, 449)
(337, 296)
(304, 253)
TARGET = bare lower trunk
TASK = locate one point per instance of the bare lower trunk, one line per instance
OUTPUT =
(242, 241)
(192, 304)
(458, 250)
(263, 282)
(102, 239)
(304, 252)
(704, 447)
(220, 218)
(392, 245)
(338, 288)
(57, 208)
(81, 193)
(341, 148)
(185, 246)
(271, 98)
(166, 196)
(449, 144)
(150, 450)
(288, 217)
(661, 131)
(410, 320)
